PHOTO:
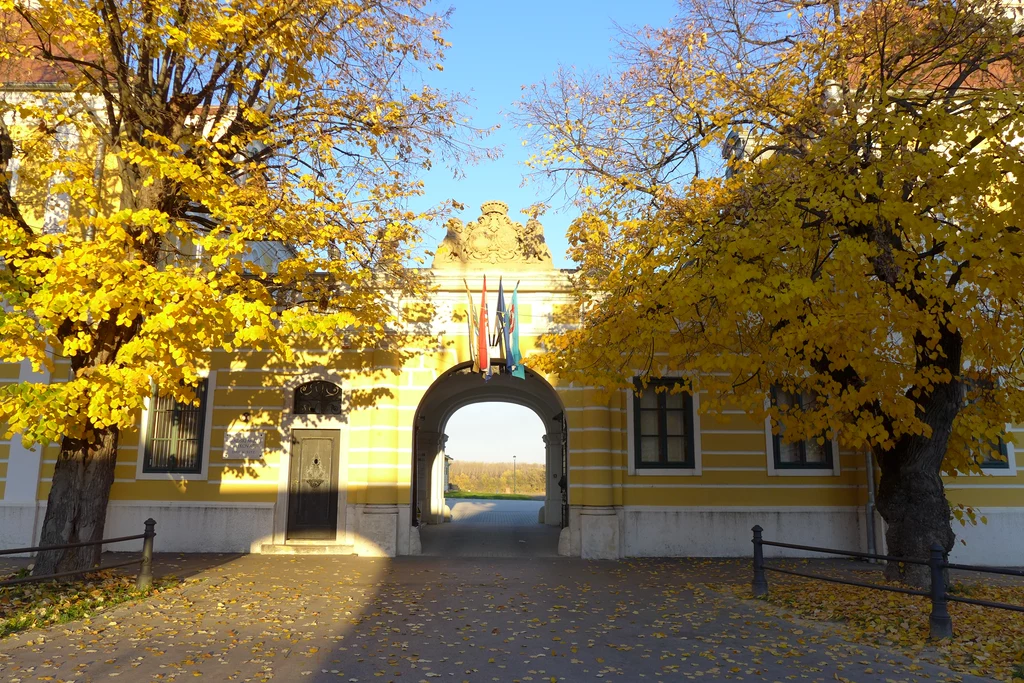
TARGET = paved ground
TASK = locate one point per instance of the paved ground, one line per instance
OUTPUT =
(494, 512)
(491, 528)
(420, 619)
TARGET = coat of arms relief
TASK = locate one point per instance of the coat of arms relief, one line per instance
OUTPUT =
(493, 239)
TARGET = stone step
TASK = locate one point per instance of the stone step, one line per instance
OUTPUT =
(307, 548)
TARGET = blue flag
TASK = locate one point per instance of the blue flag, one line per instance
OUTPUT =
(514, 357)
(501, 323)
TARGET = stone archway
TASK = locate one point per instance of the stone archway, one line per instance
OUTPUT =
(459, 387)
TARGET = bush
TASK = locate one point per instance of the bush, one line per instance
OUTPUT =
(496, 477)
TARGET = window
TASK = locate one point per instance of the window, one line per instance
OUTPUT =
(663, 428)
(989, 461)
(174, 434)
(799, 455)
(317, 398)
(974, 392)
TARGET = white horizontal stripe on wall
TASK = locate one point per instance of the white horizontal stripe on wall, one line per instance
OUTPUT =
(984, 486)
(737, 469)
(707, 452)
(740, 508)
(379, 485)
(715, 486)
(185, 504)
(759, 432)
(254, 406)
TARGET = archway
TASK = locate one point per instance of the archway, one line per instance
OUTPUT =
(459, 387)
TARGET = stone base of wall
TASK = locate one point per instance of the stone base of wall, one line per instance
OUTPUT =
(642, 531)
(18, 524)
(185, 527)
(382, 530)
(193, 527)
(999, 542)
(593, 532)
(726, 532)
(602, 533)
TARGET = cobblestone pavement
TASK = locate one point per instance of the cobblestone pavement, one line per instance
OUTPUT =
(494, 512)
(491, 528)
(421, 619)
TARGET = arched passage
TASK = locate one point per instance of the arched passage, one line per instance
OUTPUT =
(460, 387)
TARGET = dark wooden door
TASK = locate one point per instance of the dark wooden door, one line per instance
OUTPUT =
(313, 485)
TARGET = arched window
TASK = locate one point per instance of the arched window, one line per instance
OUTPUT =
(317, 398)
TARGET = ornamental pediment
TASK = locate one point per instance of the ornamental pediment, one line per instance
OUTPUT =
(493, 239)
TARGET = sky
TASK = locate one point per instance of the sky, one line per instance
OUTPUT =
(494, 432)
(498, 47)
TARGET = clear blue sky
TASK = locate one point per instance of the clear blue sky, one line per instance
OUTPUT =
(494, 432)
(498, 47)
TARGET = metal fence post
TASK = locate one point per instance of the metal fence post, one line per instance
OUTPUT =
(760, 584)
(940, 625)
(145, 580)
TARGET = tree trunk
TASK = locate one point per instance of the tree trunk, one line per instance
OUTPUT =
(76, 509)
(911, 496)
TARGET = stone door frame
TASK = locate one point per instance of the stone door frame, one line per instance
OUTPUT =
(290, 421)
(297, 435)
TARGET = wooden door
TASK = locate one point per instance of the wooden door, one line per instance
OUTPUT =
(313, 485)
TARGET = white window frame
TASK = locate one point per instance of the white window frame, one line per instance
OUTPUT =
(632, 469)
(1011, 459)
(773, 471)
(204, 453)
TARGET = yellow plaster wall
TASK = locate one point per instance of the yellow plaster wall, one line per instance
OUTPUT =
(734, 458)
(379, 444)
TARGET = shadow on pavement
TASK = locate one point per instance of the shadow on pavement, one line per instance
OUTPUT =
(328, 618)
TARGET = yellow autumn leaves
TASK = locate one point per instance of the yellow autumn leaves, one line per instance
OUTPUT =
(233, 176)
(803, 203)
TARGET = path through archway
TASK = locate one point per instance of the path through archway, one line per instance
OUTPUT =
(521, 534)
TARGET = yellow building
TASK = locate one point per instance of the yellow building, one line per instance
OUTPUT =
(279, 460)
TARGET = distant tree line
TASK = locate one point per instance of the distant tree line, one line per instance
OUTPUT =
(496, 477)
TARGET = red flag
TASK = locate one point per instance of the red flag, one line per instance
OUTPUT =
(483, 350)
(471, 323)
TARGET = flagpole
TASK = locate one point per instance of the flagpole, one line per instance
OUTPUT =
(471, 323)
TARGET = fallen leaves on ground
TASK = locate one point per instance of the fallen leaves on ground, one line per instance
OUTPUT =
(986, 641)
(322, 619)
(36, 605)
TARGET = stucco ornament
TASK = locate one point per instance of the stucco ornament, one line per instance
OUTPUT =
(493, 239)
